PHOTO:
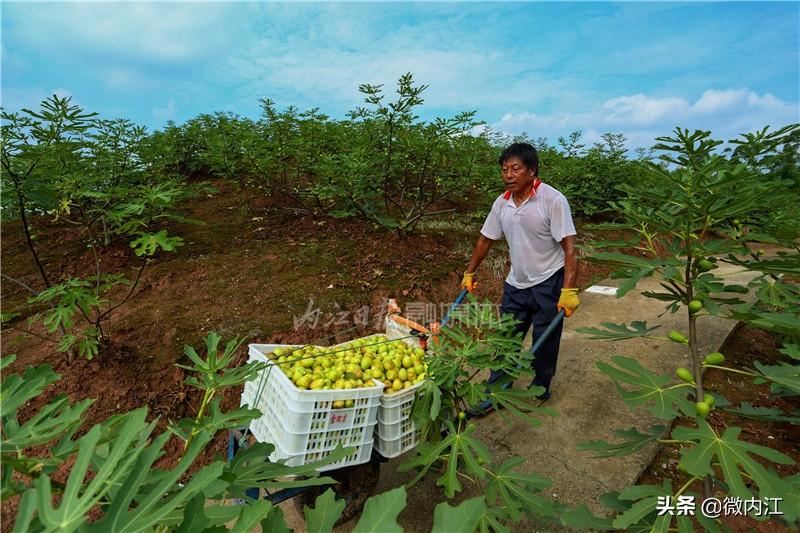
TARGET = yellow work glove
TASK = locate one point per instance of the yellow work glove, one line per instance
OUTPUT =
(468, 282)
(569, 301)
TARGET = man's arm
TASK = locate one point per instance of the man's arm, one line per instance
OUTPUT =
(570, 262)
(482, 248)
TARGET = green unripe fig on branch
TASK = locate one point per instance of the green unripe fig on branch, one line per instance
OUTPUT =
(709, 399)
(714, 358)
(695, 306)
(684, 375)
(702, 409)
(677, 336)
(703, 265)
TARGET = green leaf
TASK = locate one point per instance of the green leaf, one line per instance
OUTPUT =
(274, 522)
(650, 388)
(632, 279)
(710, 525)
(215, 420)
(66, 342)
(26, 511)
(248, 469)
(516, 492)
(194, 517)
(327, 510)
(618, 332)
(147, 244)
(791, 350)
(782, 376)
(60, 315)
(581, 518)
(460, 519)
(50, 422)
(381, 511)
(17, 390)
(738, 289)
(79, 498)
(8, 318)
(88, 346)
(731, 454)
(772, 414)
(251, 515)
(427, 404)
(521, 403)
(632, 443)
(7, 360)
(158, 500)
(618, 258)
(783, 323)
(456, 447)
(490, 522)
(646, 500)
(785, 264)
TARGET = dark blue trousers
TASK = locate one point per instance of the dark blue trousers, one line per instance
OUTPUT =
(536, 306)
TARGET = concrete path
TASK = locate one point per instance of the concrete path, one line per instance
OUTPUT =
(588, 405)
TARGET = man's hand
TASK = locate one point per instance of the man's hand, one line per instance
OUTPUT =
(468, 282)
(569, 301)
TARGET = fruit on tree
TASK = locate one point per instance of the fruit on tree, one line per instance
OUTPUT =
(714, 358)
(677, 336)
(695, 306)
(684, 375)
(703, 265)
(702, 409)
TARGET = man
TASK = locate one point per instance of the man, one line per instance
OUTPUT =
(536, 221)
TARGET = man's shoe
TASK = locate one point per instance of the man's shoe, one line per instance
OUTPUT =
(485, 407)
(543, 397)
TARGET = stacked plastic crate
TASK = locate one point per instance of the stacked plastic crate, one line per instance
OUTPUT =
(303, 424)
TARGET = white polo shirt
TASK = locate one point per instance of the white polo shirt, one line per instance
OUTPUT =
(534, 231)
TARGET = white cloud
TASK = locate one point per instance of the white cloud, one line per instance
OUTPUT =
(639, 109)
(727, 113)
(326, 69)
(714, 101)
(167, 112)
(126, 78)
(167, 33)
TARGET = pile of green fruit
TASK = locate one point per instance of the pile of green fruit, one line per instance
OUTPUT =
(355, 364)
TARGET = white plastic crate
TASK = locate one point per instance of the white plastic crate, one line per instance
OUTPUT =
(396, 407)
(361, 455)
(393, 447)
(395, 431)
(303, 424)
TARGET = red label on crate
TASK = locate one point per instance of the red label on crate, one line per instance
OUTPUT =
(338, 418)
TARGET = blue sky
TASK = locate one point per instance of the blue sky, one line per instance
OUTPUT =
(542, 68)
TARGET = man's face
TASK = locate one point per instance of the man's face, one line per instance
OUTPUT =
(516, 176)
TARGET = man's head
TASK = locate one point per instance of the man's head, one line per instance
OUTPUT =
(520, 164)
